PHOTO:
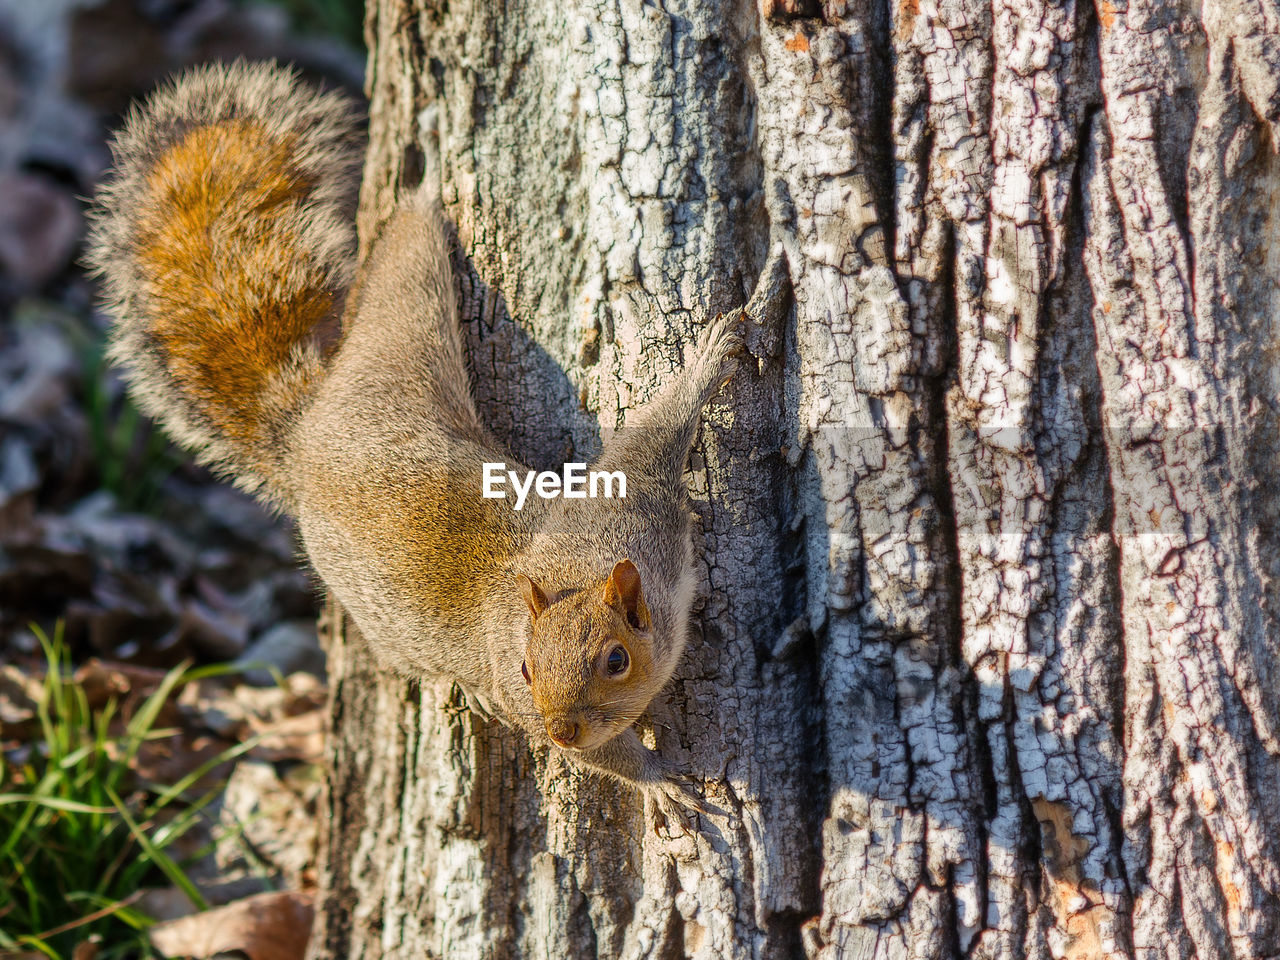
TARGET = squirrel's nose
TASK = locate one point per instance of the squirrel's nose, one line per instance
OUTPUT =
(563, 732)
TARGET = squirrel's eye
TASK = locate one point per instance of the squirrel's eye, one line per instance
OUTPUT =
(618, 661)
(524, 672)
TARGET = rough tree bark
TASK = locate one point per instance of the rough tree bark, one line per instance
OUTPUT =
(986, 662)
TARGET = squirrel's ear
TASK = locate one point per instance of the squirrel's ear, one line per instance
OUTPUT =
(533, 596)
(622, 590)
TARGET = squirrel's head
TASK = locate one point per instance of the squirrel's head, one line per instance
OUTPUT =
(590, 657)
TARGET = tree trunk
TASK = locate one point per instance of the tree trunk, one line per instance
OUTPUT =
(986, 660)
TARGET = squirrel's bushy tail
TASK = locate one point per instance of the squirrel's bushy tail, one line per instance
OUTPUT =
(225, 239)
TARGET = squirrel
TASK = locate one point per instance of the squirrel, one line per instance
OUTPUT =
(225, 243)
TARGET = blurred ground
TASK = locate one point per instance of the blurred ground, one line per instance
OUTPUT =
(145, 560)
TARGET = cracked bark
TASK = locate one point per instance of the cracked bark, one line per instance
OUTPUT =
(986, 661)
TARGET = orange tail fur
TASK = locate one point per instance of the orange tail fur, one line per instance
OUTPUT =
(225, 240)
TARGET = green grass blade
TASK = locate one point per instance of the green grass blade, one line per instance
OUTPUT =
(225, 669)
(159, 857)
(51, 803)
(168, 793)
(120, 909)
(145, 718)
(41, 946)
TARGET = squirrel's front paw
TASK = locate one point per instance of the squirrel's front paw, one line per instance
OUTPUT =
(719, 348)
(671, 789)
(675, 796)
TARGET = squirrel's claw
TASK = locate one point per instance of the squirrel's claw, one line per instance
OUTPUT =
(480, 705)
(675, 798)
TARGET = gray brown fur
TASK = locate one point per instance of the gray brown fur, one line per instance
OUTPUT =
(383, 464)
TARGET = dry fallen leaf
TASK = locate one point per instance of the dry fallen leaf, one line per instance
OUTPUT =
(126, 684)
(274, 817)
(269, 926)
(40, 224)
(293, 738)
(19, 693)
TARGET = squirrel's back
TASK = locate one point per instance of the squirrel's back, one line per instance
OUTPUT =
(226, 244)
